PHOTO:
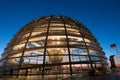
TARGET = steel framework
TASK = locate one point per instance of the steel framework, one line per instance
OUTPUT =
(52, 45)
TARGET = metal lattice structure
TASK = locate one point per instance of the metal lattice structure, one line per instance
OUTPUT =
(53, 45)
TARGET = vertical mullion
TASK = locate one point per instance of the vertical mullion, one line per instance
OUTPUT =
(90, 61)
(67, 45)
(23, 51)
(44, 58)
(79, 58)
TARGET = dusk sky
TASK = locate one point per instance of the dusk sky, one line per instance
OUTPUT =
(101, 17)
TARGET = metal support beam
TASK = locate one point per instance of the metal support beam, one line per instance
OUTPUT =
(67, 45)
(23, 51)
(44, 58)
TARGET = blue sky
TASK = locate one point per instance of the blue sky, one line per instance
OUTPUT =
(101, 17)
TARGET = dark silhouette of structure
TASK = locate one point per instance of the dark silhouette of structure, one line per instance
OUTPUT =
(112, 61)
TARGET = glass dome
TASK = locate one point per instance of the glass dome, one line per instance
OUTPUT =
(53, 45)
